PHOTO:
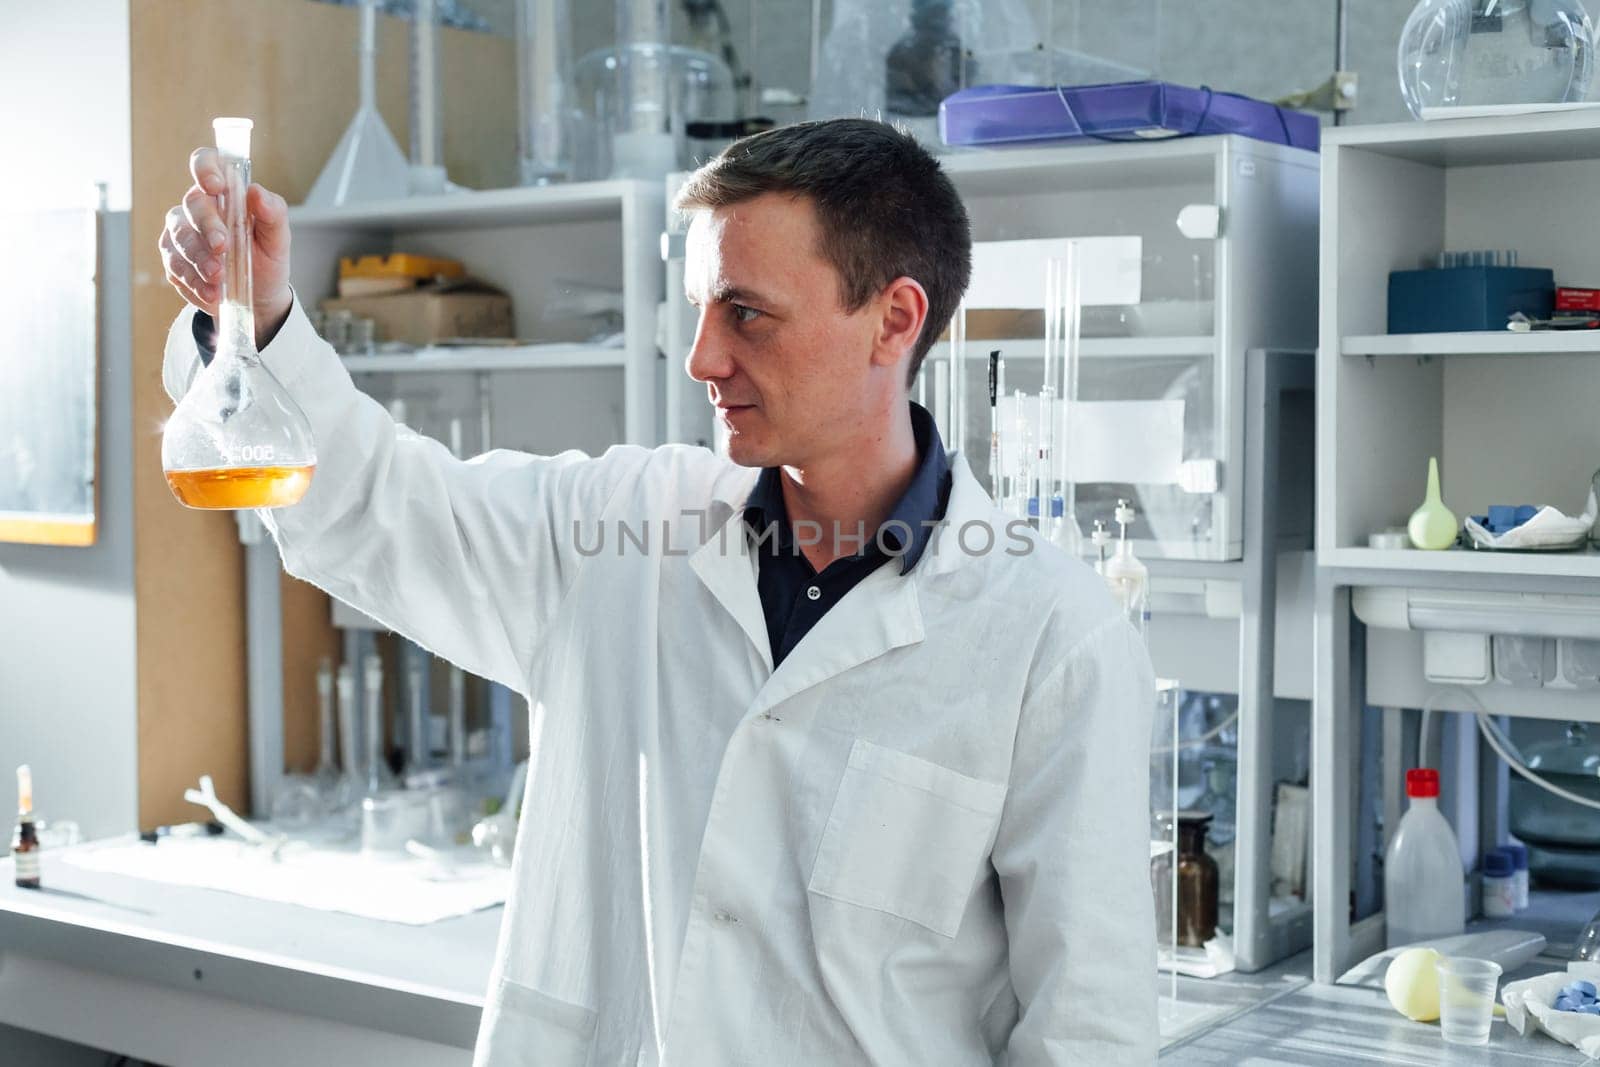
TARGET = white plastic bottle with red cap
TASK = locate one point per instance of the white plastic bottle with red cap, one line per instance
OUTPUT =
(1423, 880)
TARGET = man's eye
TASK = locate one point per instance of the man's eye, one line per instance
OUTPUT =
(744, 314)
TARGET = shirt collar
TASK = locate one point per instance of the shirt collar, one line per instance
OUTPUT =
(909, 525)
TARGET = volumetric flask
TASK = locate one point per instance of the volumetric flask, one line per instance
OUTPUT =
(237, 440)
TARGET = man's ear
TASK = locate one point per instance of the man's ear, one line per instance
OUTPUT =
(904, 312)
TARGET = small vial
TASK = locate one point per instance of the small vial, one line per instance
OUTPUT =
(1499, 884)
(25, 841)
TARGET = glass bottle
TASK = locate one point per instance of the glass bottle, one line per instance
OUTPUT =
(1198, 881)
(25, 841)
(237, 439)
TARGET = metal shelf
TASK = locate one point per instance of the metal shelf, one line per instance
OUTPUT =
(520, 357)
(1479, 343)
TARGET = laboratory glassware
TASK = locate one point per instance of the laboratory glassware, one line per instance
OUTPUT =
(1198, 881)
(1423, 895)
(427, 173)
(616, 132)
(379, 777)
(544, 90)
(417, 716)
(1187, 898)
(25, 839)
(1587, 946)
(237, 439)
(1563, 838)
(635, 100)
(1456, 53)
(1127, 576)
(367, 164)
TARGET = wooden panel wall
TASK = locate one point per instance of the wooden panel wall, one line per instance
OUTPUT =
(291, 66)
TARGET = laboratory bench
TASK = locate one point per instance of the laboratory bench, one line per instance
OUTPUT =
(1293, 1020)
(183, 976)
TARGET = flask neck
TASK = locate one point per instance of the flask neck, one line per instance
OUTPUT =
(238, 327)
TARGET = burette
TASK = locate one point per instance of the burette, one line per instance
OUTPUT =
(1057, 515)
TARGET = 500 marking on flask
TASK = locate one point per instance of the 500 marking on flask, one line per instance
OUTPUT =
(242, 454)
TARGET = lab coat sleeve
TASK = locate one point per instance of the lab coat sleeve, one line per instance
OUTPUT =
(470, 559)
(1072, 855)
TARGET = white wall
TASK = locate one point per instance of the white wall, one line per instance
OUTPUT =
(64, 77)
(67, 665)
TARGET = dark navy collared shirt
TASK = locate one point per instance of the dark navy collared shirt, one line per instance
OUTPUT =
(793, 596)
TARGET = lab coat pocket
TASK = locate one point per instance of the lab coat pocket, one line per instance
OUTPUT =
(523, 1027)
(906, 837)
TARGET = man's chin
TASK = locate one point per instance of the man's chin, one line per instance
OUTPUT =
(745, 452)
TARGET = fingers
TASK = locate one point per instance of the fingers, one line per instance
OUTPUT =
(271, 214)
(206, 167)
(189, 244)
(183, 275)
(200, 209)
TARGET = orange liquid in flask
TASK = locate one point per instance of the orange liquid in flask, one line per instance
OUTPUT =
(237, 488)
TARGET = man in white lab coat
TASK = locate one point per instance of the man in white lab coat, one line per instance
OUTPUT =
(842, 768)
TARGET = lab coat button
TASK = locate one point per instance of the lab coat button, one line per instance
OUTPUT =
(725, 917)
(813, 593)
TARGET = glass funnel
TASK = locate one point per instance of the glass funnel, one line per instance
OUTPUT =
(1472, 52)
(237, 439)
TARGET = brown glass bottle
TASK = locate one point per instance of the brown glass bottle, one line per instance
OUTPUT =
(1197, 881)
(25, 841)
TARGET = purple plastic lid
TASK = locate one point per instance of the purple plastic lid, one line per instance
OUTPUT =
(1497, 863)
(1518, 854)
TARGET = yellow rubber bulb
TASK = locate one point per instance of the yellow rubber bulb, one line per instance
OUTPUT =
(1433, 526)
(1412, 983)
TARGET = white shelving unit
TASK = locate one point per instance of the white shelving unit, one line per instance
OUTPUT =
(1506, 344)
(1511, 418)
(508, 358)
(559, 391)
(527, 242)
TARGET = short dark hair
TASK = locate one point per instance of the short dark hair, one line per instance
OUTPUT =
(885, 207)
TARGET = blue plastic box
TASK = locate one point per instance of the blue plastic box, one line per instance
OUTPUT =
(1467, 298)
(1124, 111)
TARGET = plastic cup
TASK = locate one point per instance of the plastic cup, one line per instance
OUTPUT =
(1466, 999)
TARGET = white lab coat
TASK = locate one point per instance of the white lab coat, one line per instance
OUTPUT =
(920, 841)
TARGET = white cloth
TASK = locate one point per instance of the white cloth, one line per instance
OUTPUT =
(1530, 1008)
(922, 840)
(395, 889)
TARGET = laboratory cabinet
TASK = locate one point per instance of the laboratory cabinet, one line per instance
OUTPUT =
(1224, 231)
(1510, 418)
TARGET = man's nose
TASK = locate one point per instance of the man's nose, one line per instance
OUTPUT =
(708, 358)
